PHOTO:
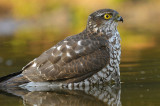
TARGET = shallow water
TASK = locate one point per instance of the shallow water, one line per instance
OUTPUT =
(140, 77)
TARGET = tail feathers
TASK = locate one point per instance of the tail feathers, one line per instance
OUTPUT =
(12, 81)
(4, 78)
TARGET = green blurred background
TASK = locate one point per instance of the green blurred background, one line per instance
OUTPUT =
(29, 27)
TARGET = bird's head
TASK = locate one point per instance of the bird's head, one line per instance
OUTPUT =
(103, 20)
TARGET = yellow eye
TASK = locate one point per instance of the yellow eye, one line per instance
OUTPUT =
(107, 16)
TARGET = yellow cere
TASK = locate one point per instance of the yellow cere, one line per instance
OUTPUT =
(107, 16)
(118, 16)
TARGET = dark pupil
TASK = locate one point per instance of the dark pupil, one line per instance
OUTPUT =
(107, 16)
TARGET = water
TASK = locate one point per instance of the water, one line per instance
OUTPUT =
(140, 77)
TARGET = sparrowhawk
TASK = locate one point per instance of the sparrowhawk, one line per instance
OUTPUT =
(90, 57)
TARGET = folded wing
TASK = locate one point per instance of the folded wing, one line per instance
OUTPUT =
(69, 60)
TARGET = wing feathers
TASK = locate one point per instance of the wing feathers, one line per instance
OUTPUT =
(69, 60)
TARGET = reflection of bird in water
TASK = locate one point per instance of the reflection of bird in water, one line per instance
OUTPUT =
(90, 57)
(96, 96)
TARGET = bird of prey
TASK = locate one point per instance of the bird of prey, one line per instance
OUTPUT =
(90, 57)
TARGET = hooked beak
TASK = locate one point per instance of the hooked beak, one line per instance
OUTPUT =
(120, 19)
